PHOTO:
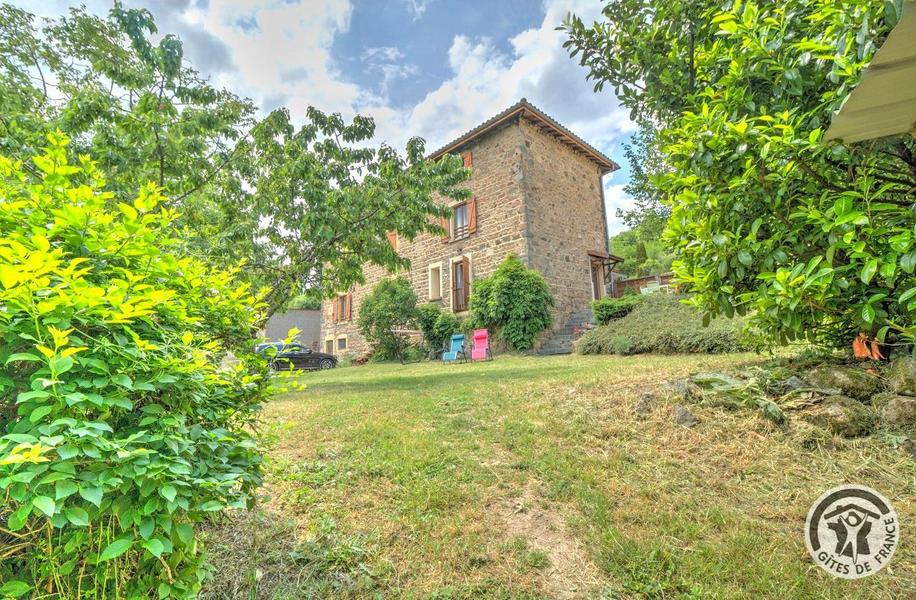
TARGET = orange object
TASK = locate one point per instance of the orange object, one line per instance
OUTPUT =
(859, 349)
(876, 350)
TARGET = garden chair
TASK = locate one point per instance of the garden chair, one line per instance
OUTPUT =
(481, 349)
(456, 349)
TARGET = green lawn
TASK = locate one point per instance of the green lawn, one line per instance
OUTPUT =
(530, 477)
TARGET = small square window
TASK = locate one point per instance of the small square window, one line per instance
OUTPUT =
(341, 343)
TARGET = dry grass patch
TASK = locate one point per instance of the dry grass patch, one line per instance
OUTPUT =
(533, 478)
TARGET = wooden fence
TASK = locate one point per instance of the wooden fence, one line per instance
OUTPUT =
(620, 286)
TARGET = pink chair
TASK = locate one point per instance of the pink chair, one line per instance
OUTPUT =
(481, 350)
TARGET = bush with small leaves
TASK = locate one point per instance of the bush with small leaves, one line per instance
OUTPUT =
(514, 301)
(384, 315)
(663, 324)
(122, 423)
(608, 309)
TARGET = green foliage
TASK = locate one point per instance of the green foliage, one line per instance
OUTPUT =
(515, 301)
(608, 309)
(391, 306)
(653, 259)
(437, 325)
(305, 302)
(815, 239)
(647, 161)
(121, 428)
(663, 324)
(304, 207)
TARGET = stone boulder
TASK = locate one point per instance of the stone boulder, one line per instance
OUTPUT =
(902, 375)
(851, 381)
(644, 407)
(897, 412)
(842, 415)
(684, 417)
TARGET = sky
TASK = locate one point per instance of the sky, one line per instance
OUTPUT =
(428, 68)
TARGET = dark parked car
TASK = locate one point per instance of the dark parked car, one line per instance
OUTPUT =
(284, 357)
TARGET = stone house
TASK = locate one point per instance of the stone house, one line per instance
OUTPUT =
(537, 193)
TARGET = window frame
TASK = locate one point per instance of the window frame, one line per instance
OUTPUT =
(461, 231)
(464, 263)
(429, 276)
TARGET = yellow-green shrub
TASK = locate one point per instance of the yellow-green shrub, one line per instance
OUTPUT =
(122, 424)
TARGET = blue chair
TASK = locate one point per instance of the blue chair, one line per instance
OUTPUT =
(456, 350)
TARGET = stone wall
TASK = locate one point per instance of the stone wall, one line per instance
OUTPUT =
(536, 198)
(495, 185)
(563, 198)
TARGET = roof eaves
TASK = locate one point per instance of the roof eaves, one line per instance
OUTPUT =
(520, 108)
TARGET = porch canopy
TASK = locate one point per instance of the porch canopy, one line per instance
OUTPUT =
(884, 101)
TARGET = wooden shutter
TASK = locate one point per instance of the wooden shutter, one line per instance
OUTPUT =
(472, 215)
(468, 159)
(393, 240)
(466, 272)
(454, 268)
(349, 306)
(334, 316)
(445, 222)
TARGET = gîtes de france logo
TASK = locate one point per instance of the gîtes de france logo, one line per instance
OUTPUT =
(852, 531)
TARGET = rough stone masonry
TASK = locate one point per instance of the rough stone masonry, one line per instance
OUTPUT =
(537, 193)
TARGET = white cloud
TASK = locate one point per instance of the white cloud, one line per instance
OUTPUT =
(416, 8)
(614, 198)
(278, 52)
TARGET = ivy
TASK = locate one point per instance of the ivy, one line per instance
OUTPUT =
(515, 301)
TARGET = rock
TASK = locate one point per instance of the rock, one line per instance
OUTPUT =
(842, 415)
(684, 417)
(795, 383)
(684, 389)
(897, 412)
(851, 381)
(902, 375)
(644, 406)
(909, 446)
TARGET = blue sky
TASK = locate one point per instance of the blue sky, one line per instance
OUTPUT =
(433, 68)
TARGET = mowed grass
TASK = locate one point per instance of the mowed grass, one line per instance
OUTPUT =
(531, 477)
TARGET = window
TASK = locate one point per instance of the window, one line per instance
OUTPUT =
(343, 308)
(329, 346)
(468, 159)
(435, 281)
(461, 289)
(341, 343)
(461, 221)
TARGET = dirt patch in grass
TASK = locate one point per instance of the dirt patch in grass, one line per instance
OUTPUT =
(567, 572)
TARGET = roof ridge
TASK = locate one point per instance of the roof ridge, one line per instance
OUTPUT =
(520, 107)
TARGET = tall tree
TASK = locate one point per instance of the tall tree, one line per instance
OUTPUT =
(302, 208)
(814, 238)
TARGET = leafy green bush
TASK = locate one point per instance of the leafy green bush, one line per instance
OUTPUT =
(437, 326)
(121, 424)
(515, 301)
(392, 305)
(662, 324)
(814, 239)
(608, 309)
